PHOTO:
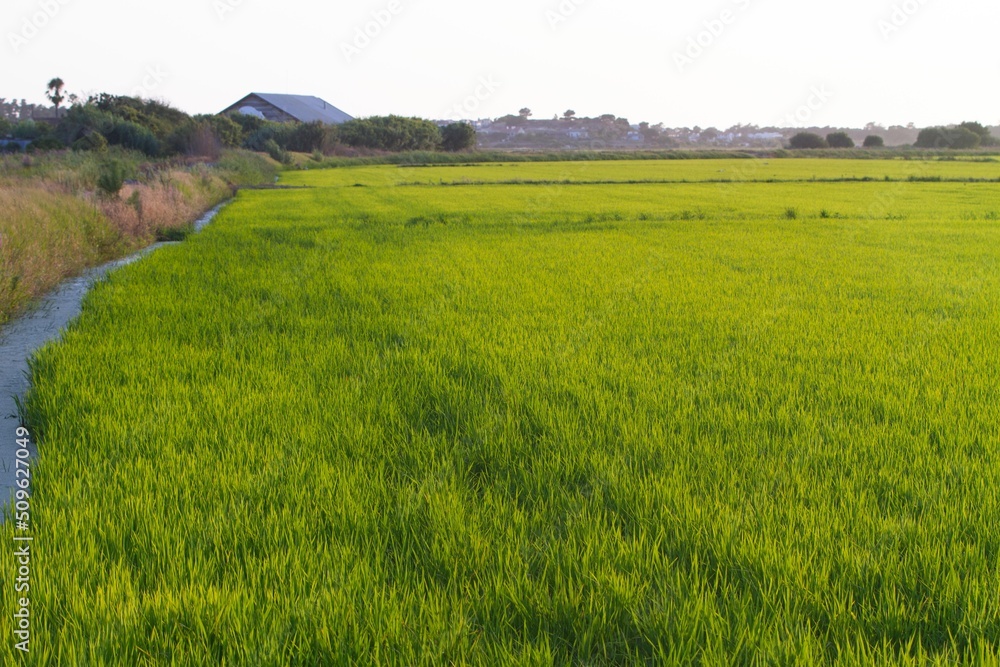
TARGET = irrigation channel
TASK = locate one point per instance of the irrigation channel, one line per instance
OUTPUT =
(20, 338)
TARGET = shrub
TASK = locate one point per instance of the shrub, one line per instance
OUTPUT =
(932, 137)
(158, 118)
(111, 178)
(391, 133)
(791, 214)
(5, 127)
(82, 120)
(94, 142)
(874, 141)
(229, 133)
(195, 138)
(247, 124)
(985, 138)
(839, 140)
(29, 130)
(307, 137)
(458, 137)
(133, 136)
(276, 152)
(945, 138)
(46, 143)
(276, 132)
(807, 140)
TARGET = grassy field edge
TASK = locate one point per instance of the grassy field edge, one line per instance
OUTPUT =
(57, 222)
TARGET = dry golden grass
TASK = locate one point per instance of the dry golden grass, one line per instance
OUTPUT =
(51, 229)
(172, 201)
(45, 236)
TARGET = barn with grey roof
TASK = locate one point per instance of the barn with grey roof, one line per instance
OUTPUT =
(289, 109)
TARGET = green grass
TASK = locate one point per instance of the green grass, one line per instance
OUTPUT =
(659, 155)
(523, 424)
(656, 171)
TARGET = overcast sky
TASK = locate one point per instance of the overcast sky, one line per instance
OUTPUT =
(793, 62)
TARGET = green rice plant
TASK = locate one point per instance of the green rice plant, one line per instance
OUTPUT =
(721, 171)
(531, 424)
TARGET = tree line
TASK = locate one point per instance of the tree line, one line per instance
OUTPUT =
(965, 136)
(159, 130)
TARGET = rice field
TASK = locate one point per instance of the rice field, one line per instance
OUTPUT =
(381, 420)
(965, 169)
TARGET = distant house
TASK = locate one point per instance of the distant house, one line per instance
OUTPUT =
(288, 109)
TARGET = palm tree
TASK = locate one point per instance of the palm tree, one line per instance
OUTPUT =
(54, 93)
